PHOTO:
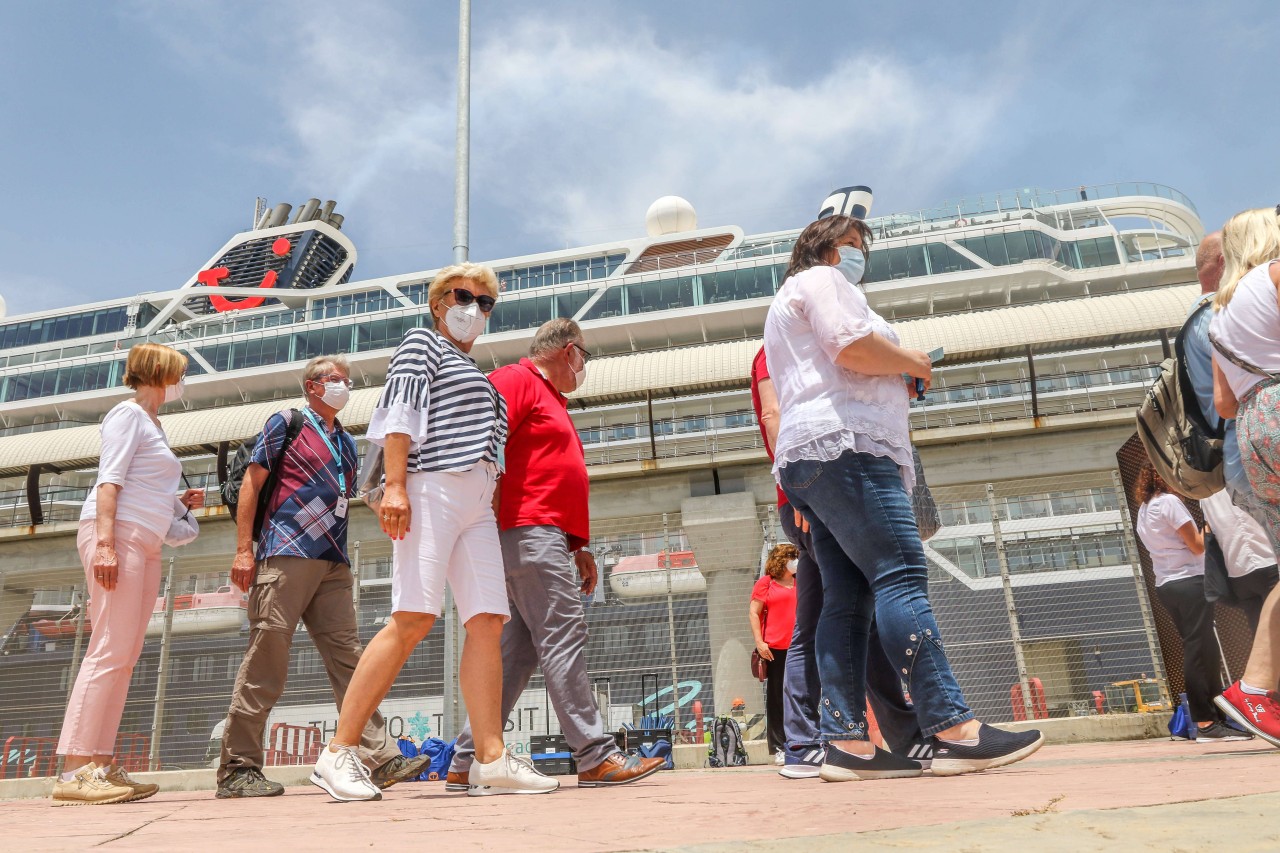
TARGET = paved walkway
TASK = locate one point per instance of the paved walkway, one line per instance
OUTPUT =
(1135, 795)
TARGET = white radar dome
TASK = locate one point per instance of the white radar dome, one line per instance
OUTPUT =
(670, 215)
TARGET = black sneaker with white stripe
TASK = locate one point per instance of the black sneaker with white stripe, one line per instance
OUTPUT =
(841, 766)
(802, 762)
(920, 751)
(995, 748)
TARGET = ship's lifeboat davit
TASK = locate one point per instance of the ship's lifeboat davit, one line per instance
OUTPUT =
(645, 575)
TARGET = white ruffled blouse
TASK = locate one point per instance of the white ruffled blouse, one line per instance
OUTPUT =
(826, 409)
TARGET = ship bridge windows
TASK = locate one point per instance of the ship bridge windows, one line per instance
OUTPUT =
(352, 303)
(565, 272)
(1015, 247)
(74, 379)
(686, 291)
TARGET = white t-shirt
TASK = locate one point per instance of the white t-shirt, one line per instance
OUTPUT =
(1249, 327)
(827, 410)
(1158, 523)
(136, 456)
(1244, 543)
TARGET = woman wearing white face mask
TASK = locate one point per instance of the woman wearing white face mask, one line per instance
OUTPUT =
(122, 526)
(773, 620)
(442, 426)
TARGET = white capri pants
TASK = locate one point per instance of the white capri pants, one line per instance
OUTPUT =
(453, 536)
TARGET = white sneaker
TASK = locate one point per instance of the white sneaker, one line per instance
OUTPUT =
(508, 775)
(344, 776)
(779, 758)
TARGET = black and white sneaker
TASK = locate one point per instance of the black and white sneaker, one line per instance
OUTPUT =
(920, 751)
(1218, 733)
(802, 763)
(840, 766)
(995, 748)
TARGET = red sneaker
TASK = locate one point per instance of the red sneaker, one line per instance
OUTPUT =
(1258, 714)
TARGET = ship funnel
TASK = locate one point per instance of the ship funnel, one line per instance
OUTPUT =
(327, 210)
(336, 220)
(850, 201)
(307, 211)
(279, 215)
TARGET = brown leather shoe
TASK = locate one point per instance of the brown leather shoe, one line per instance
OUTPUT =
(619, 769)
(457, 783)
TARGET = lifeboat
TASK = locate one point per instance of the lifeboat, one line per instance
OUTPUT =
(221, 612)
(645, 575)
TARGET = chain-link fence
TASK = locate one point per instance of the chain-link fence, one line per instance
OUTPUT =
(1036, 584)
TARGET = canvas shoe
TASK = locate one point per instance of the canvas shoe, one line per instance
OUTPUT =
(779, 758)
(995, 748)
(90, 787)
(141, 790)
(1216, 732)
(841, 766)
(802, 763)
(343, 775)
(508, 774)
(920, 750)
(1259, 715)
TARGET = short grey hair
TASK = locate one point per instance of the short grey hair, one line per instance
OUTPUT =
(553, 335)
(322, 364)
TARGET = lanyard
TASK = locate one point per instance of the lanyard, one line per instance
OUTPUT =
(337, 454)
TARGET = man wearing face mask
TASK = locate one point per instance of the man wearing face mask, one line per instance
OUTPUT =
(543, 523)
(300, 571)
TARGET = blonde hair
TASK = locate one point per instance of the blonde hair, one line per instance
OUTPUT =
(153, 364)
(1249, 239)
(478, 274)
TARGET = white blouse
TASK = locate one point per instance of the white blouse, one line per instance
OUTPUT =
(136, 457)
(1159, 520)
(1249, 327)
(826, 409)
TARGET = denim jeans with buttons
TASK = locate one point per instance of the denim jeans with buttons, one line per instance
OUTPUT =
(872, 562)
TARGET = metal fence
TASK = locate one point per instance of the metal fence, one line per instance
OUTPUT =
(1036, 585)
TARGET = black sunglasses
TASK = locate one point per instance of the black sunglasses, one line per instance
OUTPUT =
(466, 297)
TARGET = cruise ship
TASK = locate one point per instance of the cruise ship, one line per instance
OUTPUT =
(1054, 308)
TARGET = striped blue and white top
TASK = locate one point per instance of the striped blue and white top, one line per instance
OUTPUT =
(437, 395)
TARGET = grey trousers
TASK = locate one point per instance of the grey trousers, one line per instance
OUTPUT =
(548, 629)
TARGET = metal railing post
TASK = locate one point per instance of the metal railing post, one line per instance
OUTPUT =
(1140, 586)
(355, 578)
(162, 670)
(671, 634)
(1011, 608)
(79, 642)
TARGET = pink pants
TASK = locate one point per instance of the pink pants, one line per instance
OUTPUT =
(119, 625)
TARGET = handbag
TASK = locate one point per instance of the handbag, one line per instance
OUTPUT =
(183, 529)
(928, 519)
(760, 666)
(369, 482)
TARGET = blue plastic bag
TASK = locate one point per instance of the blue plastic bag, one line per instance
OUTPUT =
(441, 752)
(1181, 725)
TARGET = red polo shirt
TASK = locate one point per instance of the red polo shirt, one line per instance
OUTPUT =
(546, 471)
(760, 372)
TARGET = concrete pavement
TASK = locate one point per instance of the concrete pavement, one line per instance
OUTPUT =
(1132, 795)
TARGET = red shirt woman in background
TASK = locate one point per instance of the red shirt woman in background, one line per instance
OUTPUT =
(773, 618)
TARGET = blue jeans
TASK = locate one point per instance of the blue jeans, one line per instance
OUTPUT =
(872, 564)
(801, 689)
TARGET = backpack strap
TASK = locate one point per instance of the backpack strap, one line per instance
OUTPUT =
(1187, 390)
(272, 484)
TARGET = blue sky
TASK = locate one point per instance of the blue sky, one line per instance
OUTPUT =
(134, 136)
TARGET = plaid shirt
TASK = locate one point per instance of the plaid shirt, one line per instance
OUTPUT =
(300, 516)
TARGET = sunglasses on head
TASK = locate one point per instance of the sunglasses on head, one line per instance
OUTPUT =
(466, 297)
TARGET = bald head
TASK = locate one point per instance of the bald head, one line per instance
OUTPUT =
(1209, 262)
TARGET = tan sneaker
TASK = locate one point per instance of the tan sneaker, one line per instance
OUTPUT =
(141, 790)
(90, 786)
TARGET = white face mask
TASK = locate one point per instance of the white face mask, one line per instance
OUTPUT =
(173, 393)
(465, 324)
(792, 565)
(579, 373)
(335, 395)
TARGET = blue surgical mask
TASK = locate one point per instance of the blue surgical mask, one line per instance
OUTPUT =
(853, 264)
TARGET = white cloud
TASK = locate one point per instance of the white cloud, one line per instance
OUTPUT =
(579, 124)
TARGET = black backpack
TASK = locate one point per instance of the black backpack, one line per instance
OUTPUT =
(240, 464)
